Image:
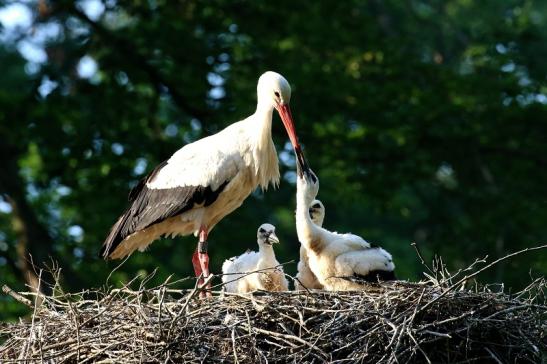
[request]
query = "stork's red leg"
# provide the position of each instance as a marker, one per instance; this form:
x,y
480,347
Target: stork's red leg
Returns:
x,y
197,266
203,257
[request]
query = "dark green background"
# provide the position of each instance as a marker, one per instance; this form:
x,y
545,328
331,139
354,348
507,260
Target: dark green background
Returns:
x,y
426,121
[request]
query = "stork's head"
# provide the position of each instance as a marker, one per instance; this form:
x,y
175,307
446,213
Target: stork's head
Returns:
x,y
274,91
378,260
317,212
266,235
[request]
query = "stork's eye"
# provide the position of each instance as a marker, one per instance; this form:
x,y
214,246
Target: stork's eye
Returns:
x,y
276,94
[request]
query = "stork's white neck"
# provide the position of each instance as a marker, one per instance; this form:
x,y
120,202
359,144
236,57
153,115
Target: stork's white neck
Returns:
x,y
266,164
304,196
305,227
264,107
265,249
262,118
267,255
319,220
263,126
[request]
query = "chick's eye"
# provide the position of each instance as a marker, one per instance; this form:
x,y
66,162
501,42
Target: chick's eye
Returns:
x,y
276,94
316,206
262,231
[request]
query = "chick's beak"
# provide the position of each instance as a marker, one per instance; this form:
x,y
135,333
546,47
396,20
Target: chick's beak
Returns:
x,y
272,239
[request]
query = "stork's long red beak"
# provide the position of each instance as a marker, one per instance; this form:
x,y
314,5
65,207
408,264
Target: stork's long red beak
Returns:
x,y
286,117
285,113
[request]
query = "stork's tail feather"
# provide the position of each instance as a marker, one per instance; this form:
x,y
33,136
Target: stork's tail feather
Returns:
x,y
113,239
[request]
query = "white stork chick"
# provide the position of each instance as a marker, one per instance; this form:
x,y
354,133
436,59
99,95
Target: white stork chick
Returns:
x,y
206,180
337,260
305,279
268,276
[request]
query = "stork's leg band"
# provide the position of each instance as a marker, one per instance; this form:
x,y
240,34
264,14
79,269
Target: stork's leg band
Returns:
x,y
202,247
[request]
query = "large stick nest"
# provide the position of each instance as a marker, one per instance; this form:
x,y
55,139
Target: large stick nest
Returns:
x,y
391,322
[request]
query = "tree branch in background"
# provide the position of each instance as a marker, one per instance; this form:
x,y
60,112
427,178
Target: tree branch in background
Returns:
x,y
133,56
24,223
23,264
10,262
34,244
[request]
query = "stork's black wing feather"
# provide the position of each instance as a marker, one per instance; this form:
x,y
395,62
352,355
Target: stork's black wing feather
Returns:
x,y
142,183
149,206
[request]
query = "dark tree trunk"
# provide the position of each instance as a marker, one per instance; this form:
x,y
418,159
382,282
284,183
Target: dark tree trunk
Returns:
x,y
34,245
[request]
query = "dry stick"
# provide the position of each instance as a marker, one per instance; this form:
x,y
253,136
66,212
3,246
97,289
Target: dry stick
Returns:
x,y
467,269
452,319
77,325
42,297
99,353
148,277
162,296
399,339
418,346
34,313
416,307
290,337
115,269
321,334
494,356
515,308
534,347
478,272
236,360
439,334
421,257
25,301
301,284
529,288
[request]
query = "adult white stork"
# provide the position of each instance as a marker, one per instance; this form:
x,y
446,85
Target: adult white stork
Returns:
x,y
206,180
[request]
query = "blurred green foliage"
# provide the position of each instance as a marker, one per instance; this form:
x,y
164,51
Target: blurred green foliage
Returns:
x,y
425,120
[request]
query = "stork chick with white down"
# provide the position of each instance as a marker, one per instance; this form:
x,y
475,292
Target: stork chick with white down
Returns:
x,y
341,262
206,180
305,278
268,275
